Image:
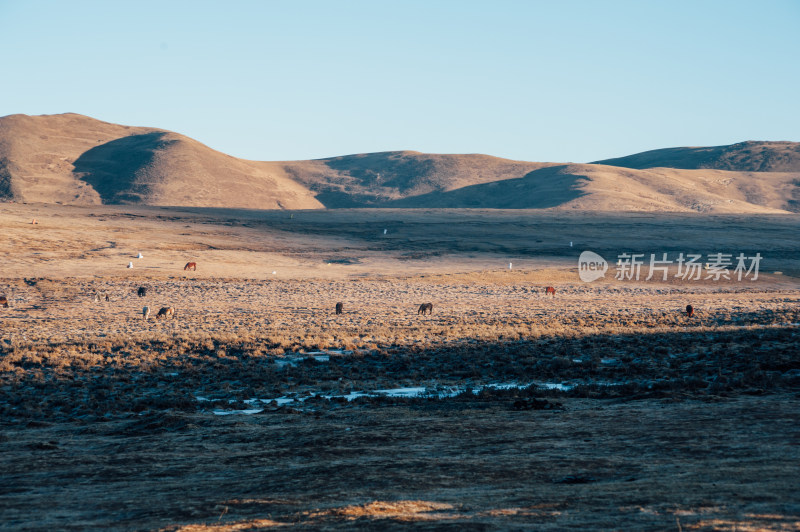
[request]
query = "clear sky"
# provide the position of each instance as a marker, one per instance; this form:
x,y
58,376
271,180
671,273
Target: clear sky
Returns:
x,y
531,80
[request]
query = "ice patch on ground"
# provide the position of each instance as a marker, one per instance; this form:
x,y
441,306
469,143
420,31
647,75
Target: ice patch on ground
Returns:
x,y
408,392
555,386
247,411
405,392
319,356
331,352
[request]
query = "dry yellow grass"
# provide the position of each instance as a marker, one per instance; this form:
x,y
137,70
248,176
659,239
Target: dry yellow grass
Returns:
x,y
109,421
74,159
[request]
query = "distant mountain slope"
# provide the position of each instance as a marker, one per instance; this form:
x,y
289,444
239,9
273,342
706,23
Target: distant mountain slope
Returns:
x,y
552,186
592,187
75,159
749,156
372,179
71,158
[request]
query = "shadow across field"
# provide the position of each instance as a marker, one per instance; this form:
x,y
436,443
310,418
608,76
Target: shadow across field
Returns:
x,y
520,233
695,426
697,459
105,379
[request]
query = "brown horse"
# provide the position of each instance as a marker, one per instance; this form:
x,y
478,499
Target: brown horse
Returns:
x,y
190,266
166,312
425,306
339,308
142,291
3,301
550,290
689,311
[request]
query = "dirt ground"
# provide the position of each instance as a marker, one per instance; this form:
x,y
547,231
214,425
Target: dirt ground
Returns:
x,y
604,407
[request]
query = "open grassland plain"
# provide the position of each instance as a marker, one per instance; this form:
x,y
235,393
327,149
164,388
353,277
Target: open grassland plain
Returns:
x,y
256,406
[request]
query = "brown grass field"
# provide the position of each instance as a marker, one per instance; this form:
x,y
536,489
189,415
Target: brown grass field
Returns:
x,y
256,407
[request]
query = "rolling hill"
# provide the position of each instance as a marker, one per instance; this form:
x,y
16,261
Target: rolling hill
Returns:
x,y
741,157
591,187
374,179
74,159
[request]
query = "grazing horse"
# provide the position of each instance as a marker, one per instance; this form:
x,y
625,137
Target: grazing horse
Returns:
x,y
425,306
339,308
689,310
141,292
146,313
3,301
98,296
550,290
190,266
166,312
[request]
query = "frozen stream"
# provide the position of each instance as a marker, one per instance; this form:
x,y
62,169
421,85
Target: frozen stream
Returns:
x,y
407,392
258,404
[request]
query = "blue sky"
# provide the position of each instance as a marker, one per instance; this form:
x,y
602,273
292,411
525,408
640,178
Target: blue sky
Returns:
x,y
539,81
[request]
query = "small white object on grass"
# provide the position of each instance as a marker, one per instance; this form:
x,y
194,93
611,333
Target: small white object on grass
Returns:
x,y
274,273
139,255
509,265
570,243
384,231
130,265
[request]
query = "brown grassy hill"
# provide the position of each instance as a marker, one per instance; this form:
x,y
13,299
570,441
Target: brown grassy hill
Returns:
x,y
593,187
751,156
677,190
37,152
372,179
75,159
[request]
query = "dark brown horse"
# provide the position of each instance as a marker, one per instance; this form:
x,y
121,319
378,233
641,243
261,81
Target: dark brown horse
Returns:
x,y
550,290
3,301
142,291
190,266
339,308
425,306
689,310
166,312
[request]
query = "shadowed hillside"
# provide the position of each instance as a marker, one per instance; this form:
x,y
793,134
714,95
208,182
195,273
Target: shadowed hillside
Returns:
x,y
545,188
6,189
37,153
112,168
591,187
75,159
742,157
373,179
